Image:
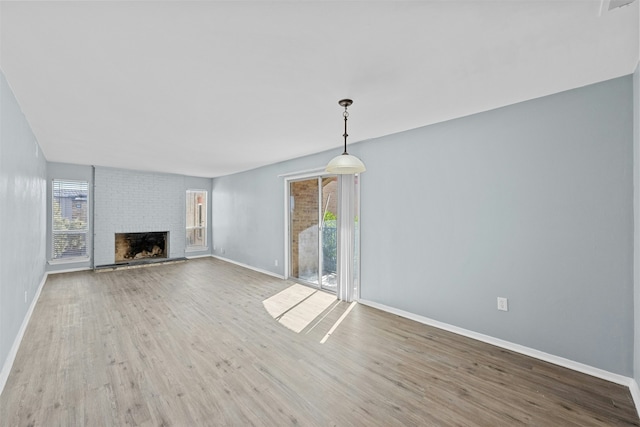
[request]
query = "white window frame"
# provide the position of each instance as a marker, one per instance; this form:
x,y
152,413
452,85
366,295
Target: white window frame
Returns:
x,y
85,231
203,218
348,290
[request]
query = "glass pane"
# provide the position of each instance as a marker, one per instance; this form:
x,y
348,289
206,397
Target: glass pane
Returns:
x,y
70,222
69,245
196,237
304,229
196,219
329,232
70,205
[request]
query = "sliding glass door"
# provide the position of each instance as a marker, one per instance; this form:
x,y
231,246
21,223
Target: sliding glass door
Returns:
x,y
312,231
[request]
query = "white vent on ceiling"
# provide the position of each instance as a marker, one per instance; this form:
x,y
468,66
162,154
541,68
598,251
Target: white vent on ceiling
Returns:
x,y
606,5
619,3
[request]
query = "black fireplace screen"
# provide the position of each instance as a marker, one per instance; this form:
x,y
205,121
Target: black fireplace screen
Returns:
x,y
136,246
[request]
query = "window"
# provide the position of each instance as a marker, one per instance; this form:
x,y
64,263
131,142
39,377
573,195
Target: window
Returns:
x,y
70,219
196,219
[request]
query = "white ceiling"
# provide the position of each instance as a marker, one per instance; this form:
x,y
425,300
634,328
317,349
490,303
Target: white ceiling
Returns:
x,y
208,88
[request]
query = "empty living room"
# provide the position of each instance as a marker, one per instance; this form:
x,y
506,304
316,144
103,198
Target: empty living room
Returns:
x,y
320,213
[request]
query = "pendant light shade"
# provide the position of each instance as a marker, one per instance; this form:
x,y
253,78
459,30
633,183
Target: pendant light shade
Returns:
x,y
345,164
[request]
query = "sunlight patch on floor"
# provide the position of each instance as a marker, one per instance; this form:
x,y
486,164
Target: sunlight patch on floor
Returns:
x,y
300,316
283,301
298,306
335,325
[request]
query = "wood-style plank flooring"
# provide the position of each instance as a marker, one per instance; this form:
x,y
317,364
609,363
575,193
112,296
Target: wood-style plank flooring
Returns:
x,y
191,344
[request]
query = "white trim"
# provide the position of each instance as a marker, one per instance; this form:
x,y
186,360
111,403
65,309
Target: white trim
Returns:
x,y
259,270
11,357
605,6
69,270
86,232
197,256
288,178
319,226
287,244
56,261
196,248
635,394
556,360
305,173
633,388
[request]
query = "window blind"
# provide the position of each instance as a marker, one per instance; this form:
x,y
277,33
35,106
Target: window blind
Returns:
x,y
70,217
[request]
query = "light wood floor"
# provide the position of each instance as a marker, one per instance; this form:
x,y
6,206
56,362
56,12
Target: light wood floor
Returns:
x,y
191,344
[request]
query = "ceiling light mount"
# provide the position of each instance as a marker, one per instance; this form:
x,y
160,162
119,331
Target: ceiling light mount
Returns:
x,y
345,164
345,103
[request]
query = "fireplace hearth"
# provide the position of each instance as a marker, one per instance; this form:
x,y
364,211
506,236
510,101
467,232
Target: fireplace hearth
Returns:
x,y
140,246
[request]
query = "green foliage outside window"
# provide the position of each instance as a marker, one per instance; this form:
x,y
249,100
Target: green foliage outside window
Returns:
x,y
329,216
67,243
329,243
70,229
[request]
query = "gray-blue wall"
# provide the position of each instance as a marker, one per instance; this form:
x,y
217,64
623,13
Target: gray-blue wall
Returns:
x,y
636,218
248,212
533,202
22,217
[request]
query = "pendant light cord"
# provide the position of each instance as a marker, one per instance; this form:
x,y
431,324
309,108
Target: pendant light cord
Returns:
x,y
345,164
345,114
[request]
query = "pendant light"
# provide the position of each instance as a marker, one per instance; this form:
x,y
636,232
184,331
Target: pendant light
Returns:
x,y
345,163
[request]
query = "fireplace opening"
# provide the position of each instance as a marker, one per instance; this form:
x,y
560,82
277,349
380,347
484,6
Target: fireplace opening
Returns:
x,y
140,246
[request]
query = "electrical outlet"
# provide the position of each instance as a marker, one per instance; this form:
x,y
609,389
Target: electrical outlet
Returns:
x,y
503,304
275,263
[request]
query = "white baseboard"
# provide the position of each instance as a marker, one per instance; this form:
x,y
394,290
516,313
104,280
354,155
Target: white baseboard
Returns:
x,y
197,256
635,394
259,270
70,270
556,360
11,357
560,361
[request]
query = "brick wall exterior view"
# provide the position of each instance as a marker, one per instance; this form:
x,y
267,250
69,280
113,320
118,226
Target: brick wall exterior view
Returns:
x,y
304,222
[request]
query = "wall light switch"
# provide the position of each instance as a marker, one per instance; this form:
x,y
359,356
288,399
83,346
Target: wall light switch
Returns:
x,y
503,304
